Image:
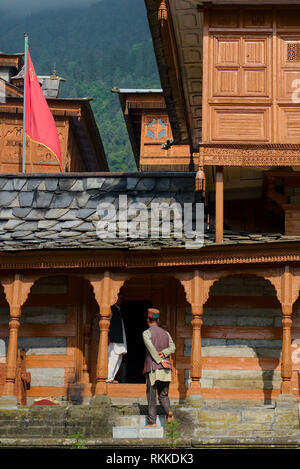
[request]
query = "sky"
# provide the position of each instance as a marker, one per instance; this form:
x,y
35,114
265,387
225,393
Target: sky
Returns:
x,y
31,6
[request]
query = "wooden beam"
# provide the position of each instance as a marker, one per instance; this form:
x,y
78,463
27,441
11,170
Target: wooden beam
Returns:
x,y
219,221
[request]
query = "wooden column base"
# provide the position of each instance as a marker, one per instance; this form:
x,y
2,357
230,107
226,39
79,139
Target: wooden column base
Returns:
x,y
101,388
286,387
9,389
194,388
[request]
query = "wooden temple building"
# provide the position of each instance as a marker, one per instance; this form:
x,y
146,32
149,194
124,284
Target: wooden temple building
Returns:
x,y
224,131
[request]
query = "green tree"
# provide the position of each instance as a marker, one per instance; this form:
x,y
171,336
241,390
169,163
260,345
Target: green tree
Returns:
x,y
94,48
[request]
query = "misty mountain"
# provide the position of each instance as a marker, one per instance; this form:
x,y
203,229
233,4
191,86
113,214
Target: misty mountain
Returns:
x,y
94,48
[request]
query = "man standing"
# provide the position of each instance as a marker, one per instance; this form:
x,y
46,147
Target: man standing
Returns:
x,y
117,341
159,346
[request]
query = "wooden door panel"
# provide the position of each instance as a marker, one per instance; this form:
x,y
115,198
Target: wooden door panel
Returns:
x,y
254,52
227,51
226,83
255,82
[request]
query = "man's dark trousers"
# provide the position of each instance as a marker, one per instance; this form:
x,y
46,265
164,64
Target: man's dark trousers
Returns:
x,y
162,389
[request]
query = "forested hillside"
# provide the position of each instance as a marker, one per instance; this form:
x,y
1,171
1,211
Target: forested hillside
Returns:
x,y
94,49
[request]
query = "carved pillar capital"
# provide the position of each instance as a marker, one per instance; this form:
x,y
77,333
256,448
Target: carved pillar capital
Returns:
x,y
106,286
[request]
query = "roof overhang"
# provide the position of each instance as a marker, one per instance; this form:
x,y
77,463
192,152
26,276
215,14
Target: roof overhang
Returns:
x,y
12,60
173,71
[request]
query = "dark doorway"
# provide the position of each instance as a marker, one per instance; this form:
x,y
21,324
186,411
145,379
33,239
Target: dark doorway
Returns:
x,y
134,315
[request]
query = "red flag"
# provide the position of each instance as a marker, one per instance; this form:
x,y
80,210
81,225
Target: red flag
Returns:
x,y
40,124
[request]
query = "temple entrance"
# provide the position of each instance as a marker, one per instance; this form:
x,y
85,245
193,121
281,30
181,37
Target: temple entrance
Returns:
x,y
134,315
139,293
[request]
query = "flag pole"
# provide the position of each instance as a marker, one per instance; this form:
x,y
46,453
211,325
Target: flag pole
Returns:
x,y
24,104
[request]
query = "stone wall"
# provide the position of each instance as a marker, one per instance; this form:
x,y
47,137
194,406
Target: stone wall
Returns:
x,y
241,339
199,425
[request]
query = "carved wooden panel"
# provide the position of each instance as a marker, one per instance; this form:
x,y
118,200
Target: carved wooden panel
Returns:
x,y
254,18
289,66
289,86
155,131
288,19
251,85
247,124
221,18
239,69
290,124
38,157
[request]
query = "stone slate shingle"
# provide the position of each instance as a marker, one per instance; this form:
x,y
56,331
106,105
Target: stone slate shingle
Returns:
x,y
60,211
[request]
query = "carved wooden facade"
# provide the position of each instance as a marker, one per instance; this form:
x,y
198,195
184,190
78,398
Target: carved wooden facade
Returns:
x,y
189,300
150,132
77,132
251,86
232,308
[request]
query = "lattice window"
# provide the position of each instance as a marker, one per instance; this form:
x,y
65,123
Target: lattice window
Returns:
x,y
293,52
156,129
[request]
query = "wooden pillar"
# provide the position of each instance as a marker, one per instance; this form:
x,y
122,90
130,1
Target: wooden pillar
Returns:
x,y
194,286
287,298
102,360
286,359
16,290
11,359
196,361
106,287
219,218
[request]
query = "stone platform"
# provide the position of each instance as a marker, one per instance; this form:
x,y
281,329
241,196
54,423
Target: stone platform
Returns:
x,y
102,423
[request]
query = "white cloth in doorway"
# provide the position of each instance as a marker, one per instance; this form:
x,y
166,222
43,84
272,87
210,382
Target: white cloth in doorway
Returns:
x,y
115,354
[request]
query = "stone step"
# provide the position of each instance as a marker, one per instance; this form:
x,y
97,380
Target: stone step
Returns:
x,y
138,421
133,426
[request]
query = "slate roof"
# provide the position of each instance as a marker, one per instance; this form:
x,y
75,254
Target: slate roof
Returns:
x,y
59,211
